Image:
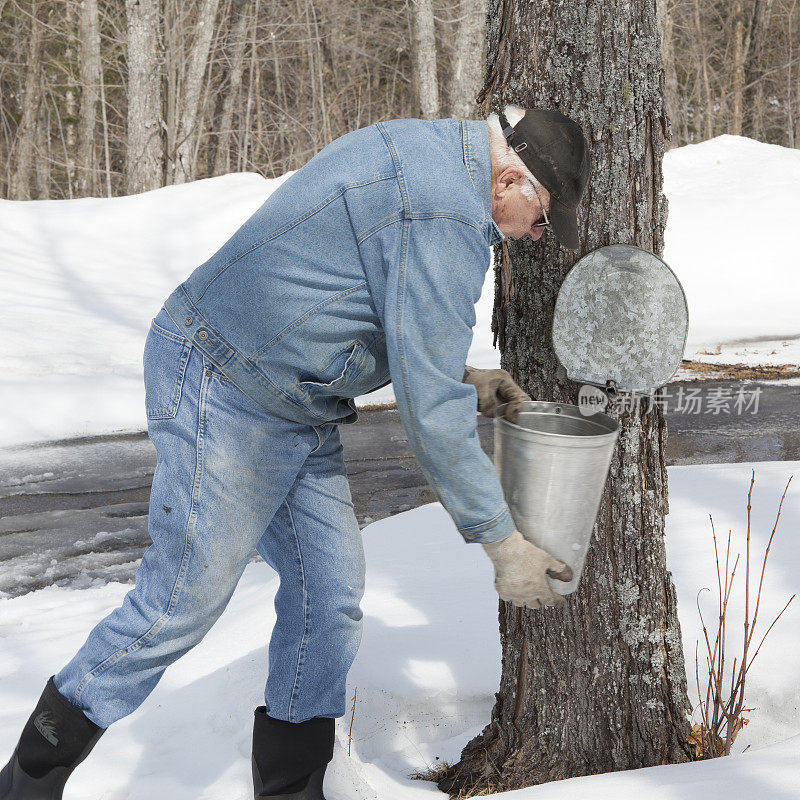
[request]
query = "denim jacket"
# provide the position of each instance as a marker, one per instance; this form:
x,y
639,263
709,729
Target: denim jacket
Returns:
x,y
364,268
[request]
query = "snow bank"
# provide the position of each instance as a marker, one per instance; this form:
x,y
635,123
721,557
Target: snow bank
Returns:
x,y
81,279
427,669
732,237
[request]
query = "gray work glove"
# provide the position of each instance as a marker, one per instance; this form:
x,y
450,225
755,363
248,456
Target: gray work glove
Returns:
x,y
520,570
495,386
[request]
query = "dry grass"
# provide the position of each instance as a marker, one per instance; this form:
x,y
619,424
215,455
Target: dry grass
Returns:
x,y
700,370
433,773
722,711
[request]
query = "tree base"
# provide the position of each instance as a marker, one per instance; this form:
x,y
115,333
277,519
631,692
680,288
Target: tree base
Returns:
x,y
478,772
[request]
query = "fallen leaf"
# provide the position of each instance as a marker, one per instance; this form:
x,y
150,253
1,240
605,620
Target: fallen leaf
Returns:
x,y
700,741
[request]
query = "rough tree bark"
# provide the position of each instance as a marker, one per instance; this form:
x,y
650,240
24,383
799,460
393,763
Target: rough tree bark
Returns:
x,y
599,685
144,156
466,76
425,56
89,38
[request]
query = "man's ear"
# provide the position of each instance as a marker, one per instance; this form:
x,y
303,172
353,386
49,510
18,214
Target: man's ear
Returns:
x,y
506,179
503,182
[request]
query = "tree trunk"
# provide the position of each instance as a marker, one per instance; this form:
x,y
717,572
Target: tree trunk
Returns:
x,y
145,150
106,142
599,685
708,106
20,188
246,151
70,97
797,112
741,42
222,159
671,98
796,129
185,150
312,82
315,61
753,111
90,67
466,78
174,68
42,160
791,91
425,51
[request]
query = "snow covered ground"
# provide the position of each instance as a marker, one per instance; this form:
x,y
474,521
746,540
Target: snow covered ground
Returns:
x,y
427,669
81,280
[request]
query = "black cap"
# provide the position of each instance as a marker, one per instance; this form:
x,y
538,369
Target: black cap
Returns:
x,y
555,150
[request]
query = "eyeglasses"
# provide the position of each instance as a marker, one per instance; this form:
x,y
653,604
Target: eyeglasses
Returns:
x,y
546,223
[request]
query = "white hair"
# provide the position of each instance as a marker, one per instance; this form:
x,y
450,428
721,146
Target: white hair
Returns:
x,y
503,155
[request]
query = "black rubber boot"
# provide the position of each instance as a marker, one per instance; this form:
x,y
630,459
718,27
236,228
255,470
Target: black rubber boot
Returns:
x,y
289,758
56,738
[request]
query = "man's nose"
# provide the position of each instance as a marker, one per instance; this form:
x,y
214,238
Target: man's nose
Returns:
x,y
535,234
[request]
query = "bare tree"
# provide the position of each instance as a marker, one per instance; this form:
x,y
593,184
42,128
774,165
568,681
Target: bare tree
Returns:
x,y
144,157
599,685
741,45
20,188
425,57
753,90
238,44
708,103
139,92
90,74
315,68
795,136
42,148
671,97
70,96
466,75
185,151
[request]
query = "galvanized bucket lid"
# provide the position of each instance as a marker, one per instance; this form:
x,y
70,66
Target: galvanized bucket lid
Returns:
x,y
621,320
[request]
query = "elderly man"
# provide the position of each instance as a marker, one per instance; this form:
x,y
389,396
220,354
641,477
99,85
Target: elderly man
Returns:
x,y
362,268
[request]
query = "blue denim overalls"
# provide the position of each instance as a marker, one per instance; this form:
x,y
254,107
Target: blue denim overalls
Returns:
x,y
363,267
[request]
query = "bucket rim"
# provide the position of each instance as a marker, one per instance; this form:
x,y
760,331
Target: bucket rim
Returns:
x,y
612,425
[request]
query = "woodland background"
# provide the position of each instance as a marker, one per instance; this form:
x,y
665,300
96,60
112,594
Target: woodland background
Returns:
x,y
113,97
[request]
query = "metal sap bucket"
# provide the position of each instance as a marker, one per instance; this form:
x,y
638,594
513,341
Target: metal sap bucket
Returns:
x,y
620,324
553,465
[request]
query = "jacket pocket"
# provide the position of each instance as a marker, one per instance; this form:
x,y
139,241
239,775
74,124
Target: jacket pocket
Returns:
x,y
342,371
165,358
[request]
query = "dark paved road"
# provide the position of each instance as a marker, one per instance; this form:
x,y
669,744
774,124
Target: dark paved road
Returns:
x,y
75,512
